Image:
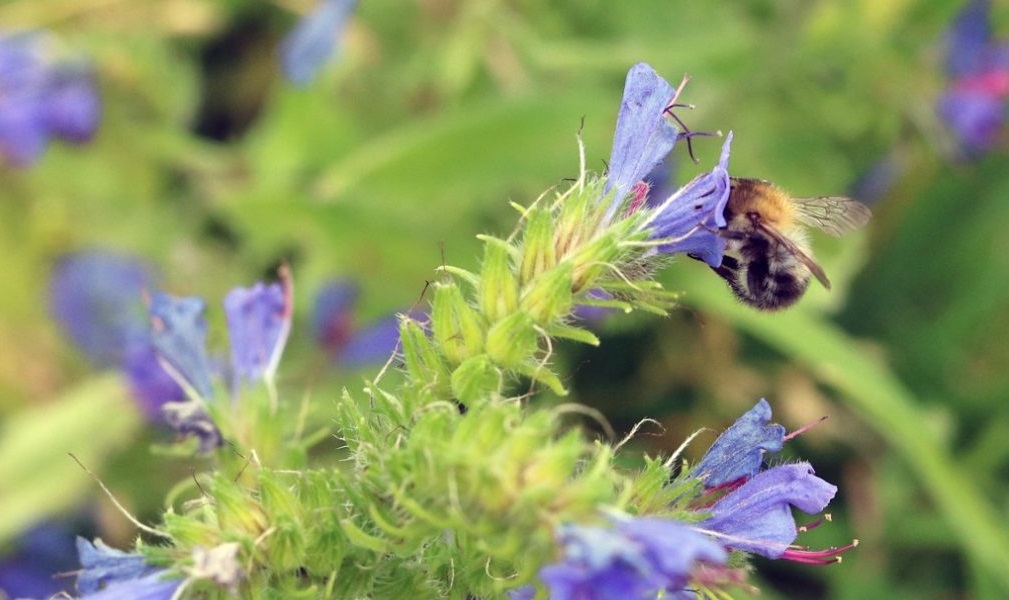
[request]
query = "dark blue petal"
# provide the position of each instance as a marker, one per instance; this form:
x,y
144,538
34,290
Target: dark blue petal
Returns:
x,y
757,516
739,451
159,585
976,118
314,40
152,386
97,299
672,548
643,136
967,39
372,344
72,108
103,566
692,216
332,316
41,553
259,319
179,333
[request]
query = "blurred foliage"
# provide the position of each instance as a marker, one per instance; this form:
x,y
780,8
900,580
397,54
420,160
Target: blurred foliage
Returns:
x,y
436,115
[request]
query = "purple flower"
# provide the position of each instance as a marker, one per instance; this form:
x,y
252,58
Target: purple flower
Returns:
x,y
757,516
636,558
688,220
110,574
314,40
40,99
974,104
691,217
180,338
334,330
739,452
96,297
643,136
41,552
259,320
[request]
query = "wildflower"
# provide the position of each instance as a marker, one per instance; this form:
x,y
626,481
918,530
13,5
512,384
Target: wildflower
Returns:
x,y
688,220
314,40
739,452
180,337
108,573
259,320
757,516
40,552
974,104
334,330
636,558
41,99
95,296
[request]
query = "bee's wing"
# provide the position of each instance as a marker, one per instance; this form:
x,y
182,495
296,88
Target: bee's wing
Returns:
x,y
795,251
835,215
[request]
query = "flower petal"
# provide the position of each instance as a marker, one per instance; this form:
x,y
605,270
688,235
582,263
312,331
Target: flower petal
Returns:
x,y
757,516
179,334
691,217
739,451
259,320
643,136
314,40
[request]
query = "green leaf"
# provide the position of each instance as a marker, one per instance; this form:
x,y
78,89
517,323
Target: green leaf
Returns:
x,y
37,477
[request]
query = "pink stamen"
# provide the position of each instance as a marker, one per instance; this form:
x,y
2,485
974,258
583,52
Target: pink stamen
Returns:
x,y
639,195
805,428
815,524
818,557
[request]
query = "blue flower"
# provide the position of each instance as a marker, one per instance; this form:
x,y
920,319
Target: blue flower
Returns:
x,y
643,135
180,337
635,558
314,40
259,320
686,221
41,552
40,99
974,104
334,330
739,452
109,574
96,297
757,516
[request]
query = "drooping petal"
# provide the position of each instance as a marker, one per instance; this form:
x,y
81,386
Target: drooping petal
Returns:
x,y
314,40
739,451
179,334
757,516
691,217
96,296
259,320
643,136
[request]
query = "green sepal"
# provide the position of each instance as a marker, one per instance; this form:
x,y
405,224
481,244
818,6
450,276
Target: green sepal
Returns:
x,y
457,328
538,371
498,289
538,251
570,332
512,340
476,379
549,299
422,360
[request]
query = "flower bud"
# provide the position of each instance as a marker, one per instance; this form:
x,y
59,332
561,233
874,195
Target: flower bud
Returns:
x,y
512,340
458,330
550,299
475,379
498,287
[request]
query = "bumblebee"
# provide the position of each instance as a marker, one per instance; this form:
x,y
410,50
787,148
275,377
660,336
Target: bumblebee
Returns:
x,y
768,262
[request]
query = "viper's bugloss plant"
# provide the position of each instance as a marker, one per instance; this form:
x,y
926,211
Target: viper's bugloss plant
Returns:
x,y
456,481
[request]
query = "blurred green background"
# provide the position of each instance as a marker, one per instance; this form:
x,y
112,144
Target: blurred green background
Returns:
x,y
436,114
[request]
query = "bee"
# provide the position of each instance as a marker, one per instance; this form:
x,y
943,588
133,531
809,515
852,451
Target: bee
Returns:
x,y
768,262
